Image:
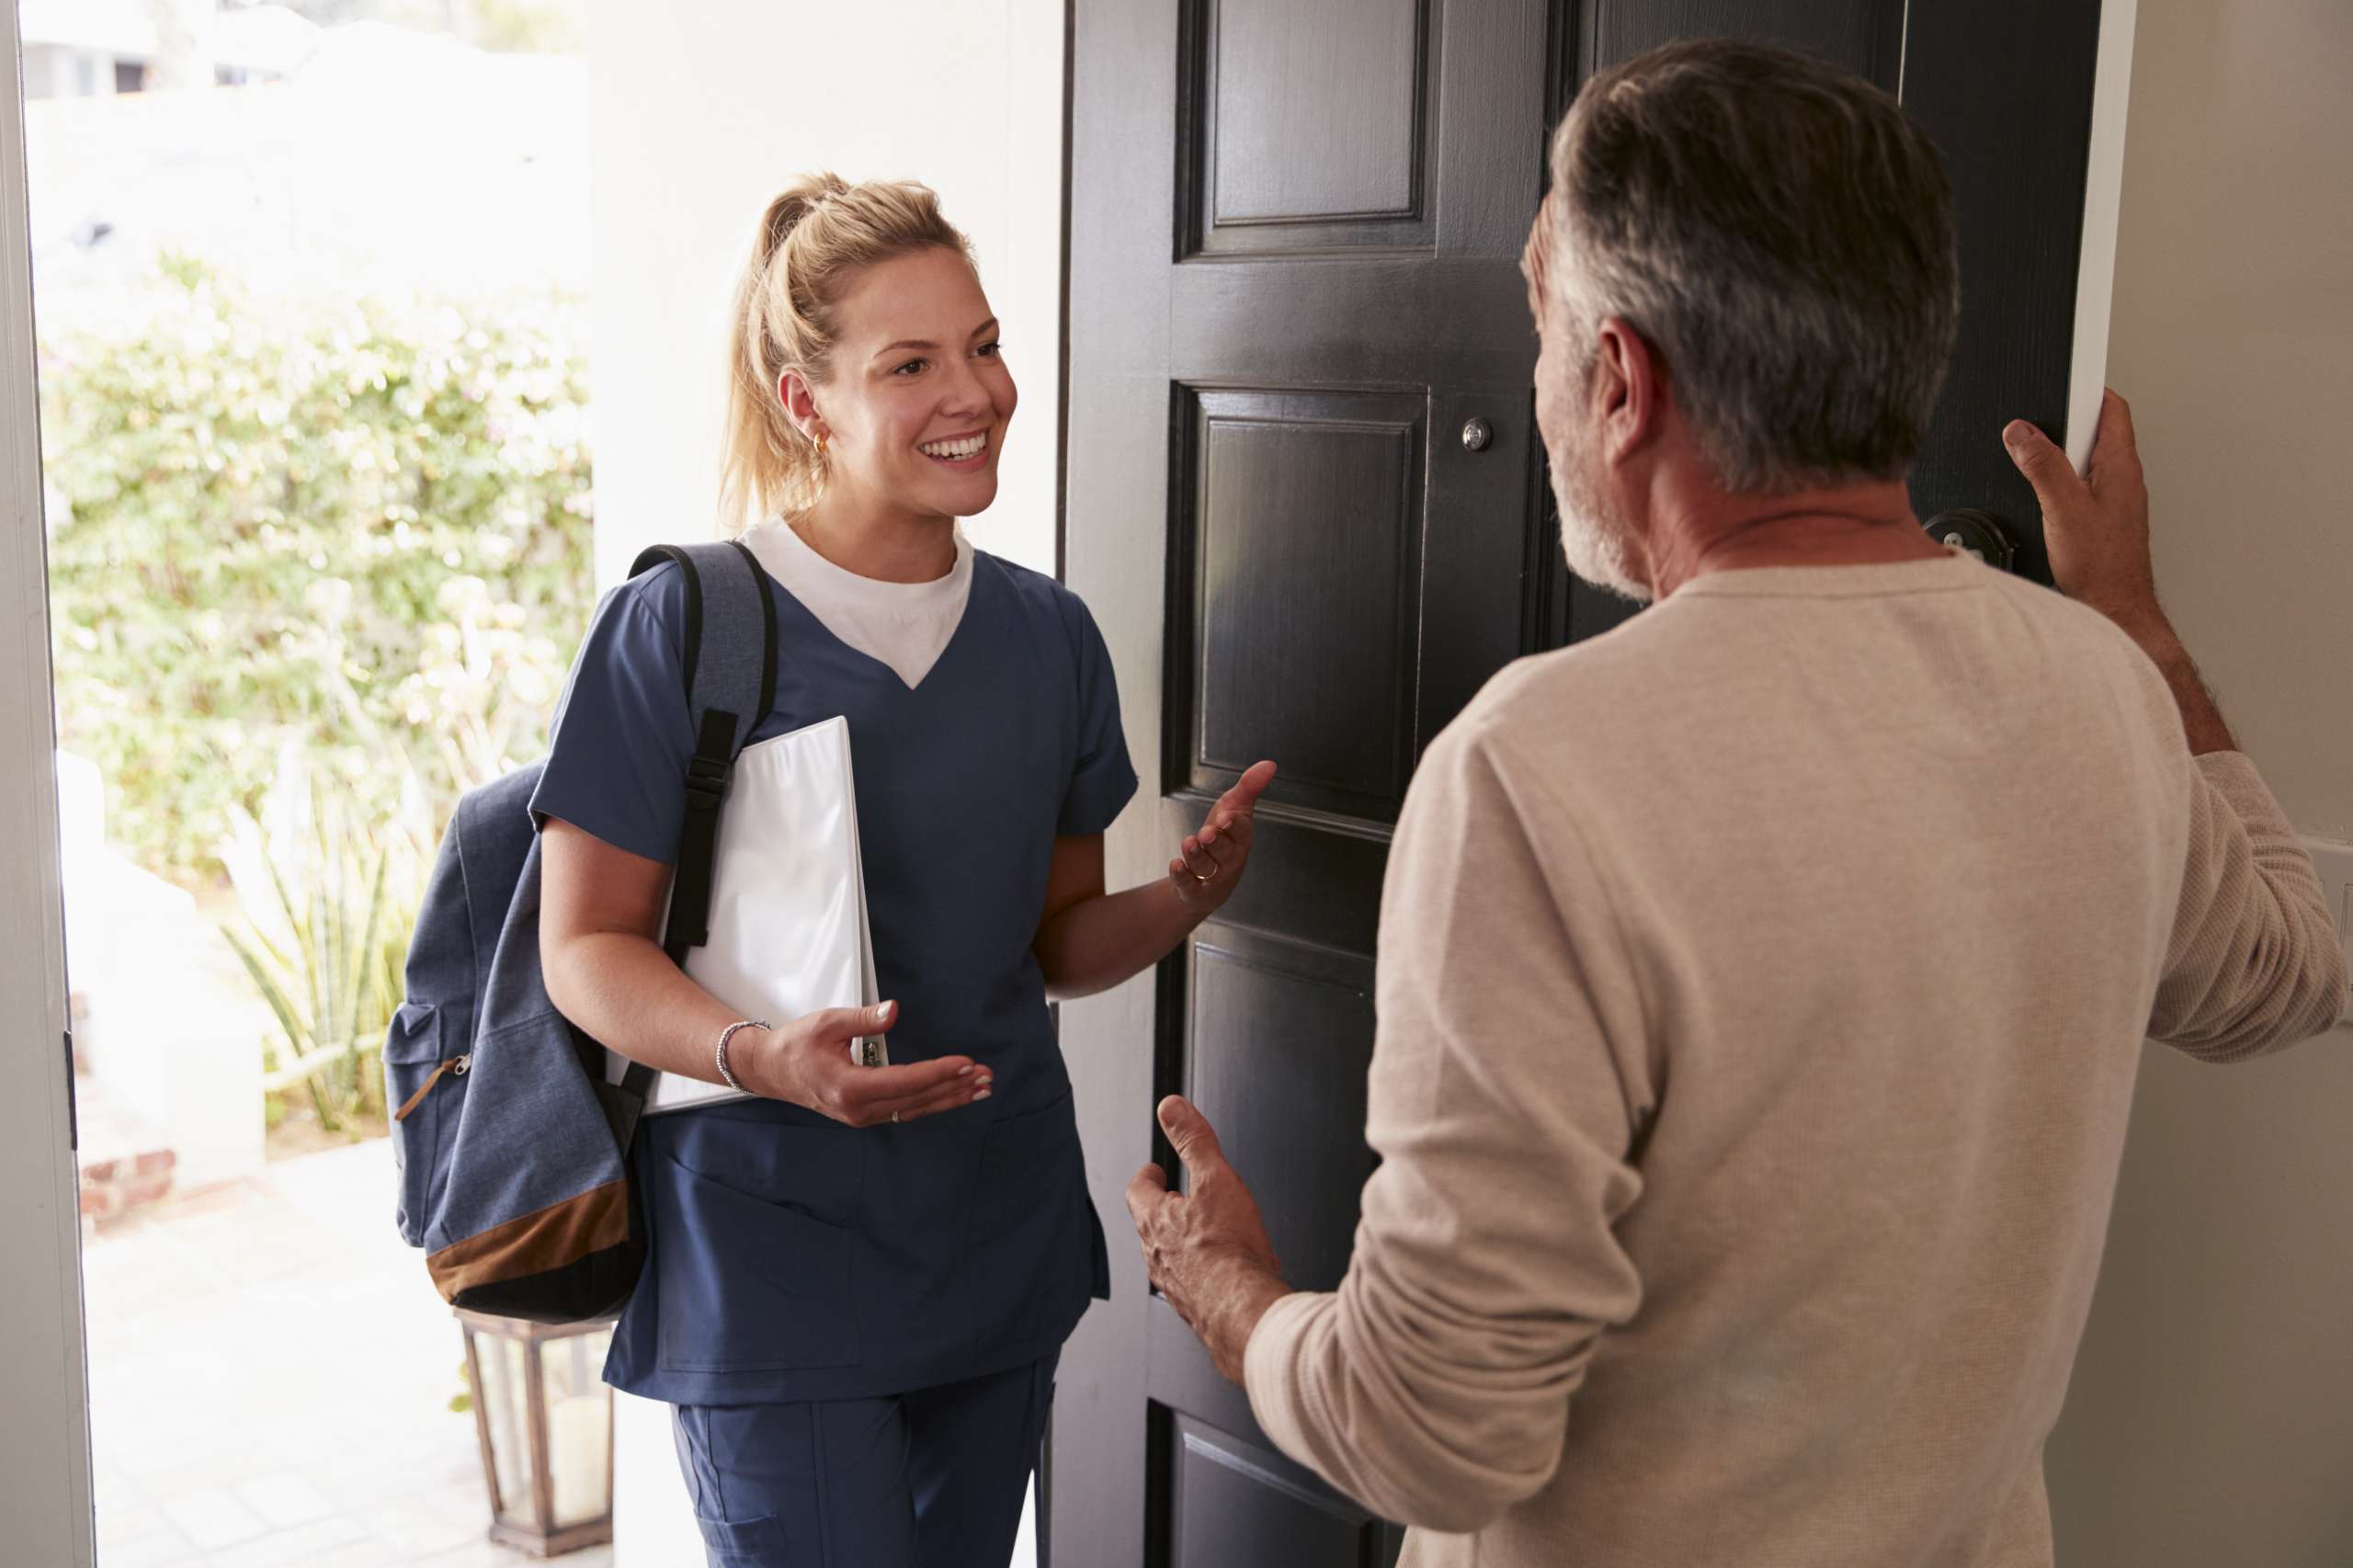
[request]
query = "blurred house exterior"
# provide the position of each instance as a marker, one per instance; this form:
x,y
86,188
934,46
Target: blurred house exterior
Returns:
x,y
99,48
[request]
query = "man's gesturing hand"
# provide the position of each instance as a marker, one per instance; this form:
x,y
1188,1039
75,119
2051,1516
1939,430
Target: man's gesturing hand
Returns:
x,y
807,1061
1206,1250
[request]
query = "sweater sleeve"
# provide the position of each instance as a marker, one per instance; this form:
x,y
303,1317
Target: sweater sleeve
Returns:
x,y
2255,962
1506,1089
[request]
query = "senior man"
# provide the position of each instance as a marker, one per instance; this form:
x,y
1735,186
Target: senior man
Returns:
x,y
1761,984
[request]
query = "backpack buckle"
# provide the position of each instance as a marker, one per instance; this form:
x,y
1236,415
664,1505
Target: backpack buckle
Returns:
x,y
707,782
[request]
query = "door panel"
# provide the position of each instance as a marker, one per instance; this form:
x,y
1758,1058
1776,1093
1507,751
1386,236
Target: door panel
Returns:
x,y
1311,130
1234,1501
1272,1025
1865,36
1295,231
1299,537
1216,1492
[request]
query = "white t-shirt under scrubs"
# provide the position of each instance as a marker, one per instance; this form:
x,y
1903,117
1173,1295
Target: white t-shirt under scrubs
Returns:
x,y
902,625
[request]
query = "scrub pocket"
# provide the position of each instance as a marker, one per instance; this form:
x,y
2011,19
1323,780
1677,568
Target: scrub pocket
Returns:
x,y
755,1236
765,1541
805,1485
755,1543
1033,1228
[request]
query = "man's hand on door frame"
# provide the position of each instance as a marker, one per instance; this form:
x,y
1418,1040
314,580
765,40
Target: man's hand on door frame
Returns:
x,y
2097,529
1206,1249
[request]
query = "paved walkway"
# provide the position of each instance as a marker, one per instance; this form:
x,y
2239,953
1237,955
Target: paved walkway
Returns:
x,y
271,1377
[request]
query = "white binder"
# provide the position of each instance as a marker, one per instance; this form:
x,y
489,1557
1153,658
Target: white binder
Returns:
x,y
788,897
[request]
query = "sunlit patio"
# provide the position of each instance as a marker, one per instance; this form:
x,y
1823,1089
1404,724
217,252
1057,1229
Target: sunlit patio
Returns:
x,y
270,1382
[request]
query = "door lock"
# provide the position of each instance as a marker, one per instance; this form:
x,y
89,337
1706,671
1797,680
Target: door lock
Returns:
x,y
1977,533
1476,434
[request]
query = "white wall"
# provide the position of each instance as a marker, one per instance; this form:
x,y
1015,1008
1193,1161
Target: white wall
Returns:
x,y
699,113
2210,1418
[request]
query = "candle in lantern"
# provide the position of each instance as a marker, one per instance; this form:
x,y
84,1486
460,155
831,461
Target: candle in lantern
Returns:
x,y
579,1427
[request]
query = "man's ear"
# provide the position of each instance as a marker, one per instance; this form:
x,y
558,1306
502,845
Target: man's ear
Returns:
x,y
1629,389
800,403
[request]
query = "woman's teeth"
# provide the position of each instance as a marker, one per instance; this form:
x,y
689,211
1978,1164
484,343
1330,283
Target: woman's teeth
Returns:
x,y
970,447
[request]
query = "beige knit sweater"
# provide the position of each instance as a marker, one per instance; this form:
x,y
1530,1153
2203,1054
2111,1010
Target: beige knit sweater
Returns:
x,y
1761,987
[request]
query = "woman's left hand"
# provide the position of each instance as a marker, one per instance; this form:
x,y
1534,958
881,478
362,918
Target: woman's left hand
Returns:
x,y
1210,862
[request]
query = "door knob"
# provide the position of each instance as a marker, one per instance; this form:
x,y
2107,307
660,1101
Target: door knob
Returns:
x,y
1476,434
1981,534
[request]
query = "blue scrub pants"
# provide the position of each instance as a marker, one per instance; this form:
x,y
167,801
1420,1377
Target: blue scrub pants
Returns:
x,y
931,1479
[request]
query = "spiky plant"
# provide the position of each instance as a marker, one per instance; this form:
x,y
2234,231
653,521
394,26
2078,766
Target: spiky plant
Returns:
x,y
327,905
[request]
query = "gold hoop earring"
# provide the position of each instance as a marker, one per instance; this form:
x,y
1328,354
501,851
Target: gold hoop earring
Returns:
x,y
821,445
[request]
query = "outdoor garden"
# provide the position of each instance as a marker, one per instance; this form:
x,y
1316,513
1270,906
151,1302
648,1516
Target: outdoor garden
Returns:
x,y
314,573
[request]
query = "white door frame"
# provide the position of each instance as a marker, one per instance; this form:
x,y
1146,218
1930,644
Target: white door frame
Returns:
x,y
46,1513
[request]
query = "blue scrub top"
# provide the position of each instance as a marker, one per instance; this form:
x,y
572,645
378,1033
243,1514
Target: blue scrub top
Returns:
x,y
792,1257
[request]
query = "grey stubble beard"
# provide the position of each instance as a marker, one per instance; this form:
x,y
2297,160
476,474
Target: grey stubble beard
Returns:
x,y
1596,543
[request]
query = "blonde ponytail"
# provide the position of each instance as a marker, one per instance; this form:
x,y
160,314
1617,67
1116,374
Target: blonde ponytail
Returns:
x,y
815,234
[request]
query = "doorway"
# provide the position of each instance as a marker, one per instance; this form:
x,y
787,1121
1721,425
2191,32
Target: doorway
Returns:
x,y
315,475
1308,507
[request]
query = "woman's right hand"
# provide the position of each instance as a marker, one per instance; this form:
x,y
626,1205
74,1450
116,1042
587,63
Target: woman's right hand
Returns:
x,y
808,1063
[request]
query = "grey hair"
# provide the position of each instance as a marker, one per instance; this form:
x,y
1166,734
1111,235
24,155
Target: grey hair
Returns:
x,y
1783,234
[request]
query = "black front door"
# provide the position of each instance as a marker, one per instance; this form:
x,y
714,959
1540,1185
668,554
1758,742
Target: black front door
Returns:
x,y
1305,501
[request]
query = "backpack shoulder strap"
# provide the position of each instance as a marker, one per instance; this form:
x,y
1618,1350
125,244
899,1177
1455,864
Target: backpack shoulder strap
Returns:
x,y
730,673
726,585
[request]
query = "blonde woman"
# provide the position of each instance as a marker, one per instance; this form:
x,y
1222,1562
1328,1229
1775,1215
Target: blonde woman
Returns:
x,y
860,1280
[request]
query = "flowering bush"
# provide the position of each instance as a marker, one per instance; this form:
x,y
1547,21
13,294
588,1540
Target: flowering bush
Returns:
x,y
357,533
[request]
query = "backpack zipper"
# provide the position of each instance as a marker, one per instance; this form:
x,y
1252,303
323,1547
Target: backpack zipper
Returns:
x,y
456,1066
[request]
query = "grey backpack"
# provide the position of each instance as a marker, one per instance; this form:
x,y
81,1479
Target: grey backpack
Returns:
x,y
514,1150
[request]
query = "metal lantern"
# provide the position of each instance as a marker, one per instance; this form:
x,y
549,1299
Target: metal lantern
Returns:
x,y
545,1418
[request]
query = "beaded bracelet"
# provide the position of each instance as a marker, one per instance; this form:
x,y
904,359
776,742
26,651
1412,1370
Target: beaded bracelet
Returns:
x,y
718,1056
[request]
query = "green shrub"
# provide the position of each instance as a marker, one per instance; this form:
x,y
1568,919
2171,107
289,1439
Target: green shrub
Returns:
x,y
326,906
357,534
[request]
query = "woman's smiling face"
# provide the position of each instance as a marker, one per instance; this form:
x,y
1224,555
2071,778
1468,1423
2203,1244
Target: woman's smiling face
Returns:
x,y
916,402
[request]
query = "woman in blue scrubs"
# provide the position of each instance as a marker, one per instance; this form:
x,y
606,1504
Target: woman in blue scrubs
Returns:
x,y
860,1279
